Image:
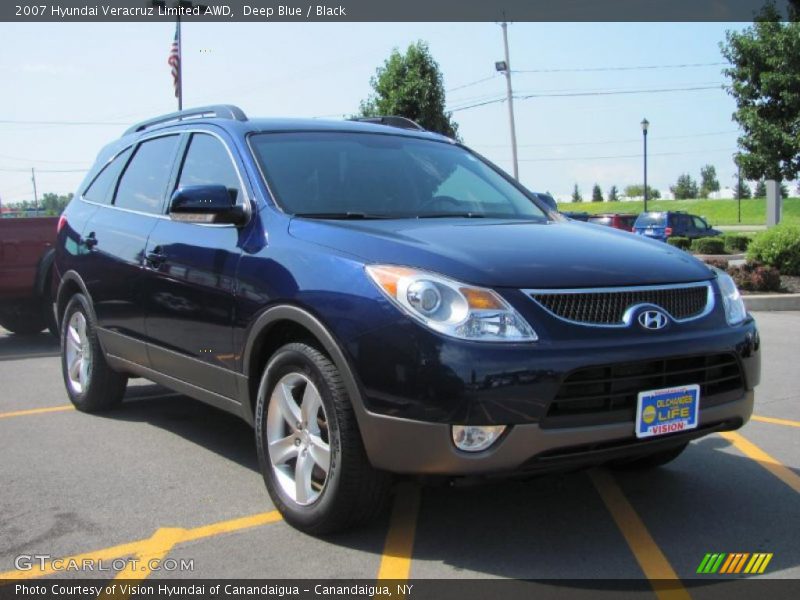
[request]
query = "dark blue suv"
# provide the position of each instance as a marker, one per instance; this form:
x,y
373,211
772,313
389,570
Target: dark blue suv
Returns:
x,y
377,299
664,225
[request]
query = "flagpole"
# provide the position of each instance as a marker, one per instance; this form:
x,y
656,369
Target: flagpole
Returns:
x,y
180,63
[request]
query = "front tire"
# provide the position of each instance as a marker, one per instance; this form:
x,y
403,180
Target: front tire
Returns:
x,y
92,385
309,447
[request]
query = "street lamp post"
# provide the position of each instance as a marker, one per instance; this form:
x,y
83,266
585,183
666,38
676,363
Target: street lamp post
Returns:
x,y
504,66
645,126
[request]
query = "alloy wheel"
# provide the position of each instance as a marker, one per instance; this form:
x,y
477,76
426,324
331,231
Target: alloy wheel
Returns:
x,y
298,438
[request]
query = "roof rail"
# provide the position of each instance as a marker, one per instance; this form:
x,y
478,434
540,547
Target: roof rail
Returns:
x,y
391,121
220,111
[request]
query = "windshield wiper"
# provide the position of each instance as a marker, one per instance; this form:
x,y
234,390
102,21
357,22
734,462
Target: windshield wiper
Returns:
x,y
466,215
341,215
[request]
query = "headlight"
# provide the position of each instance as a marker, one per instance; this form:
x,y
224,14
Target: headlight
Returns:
x,y
449,307
735,310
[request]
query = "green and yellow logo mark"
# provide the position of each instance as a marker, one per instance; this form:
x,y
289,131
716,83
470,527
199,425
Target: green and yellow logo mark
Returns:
x,y
735,562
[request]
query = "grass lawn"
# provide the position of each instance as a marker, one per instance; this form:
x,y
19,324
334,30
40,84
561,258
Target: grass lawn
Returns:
x,y
716,212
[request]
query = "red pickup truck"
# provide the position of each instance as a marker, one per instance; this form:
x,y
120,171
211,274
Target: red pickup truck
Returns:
x,y
26,260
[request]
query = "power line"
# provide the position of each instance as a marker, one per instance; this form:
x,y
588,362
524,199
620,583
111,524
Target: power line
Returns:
x,y
616,156
598,143
591,70
14,170
471,83
588,93
625,68
17,122
38,160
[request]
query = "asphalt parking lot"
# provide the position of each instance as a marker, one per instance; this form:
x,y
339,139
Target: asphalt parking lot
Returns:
x,y
168,477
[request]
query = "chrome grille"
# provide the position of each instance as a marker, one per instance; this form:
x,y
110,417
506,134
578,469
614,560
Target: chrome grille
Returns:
x,y
608,307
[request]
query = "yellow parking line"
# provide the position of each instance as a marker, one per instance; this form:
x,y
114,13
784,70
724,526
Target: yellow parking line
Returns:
x,y
159,544
36,411
399,545
154,549
654,564
775,421
750,450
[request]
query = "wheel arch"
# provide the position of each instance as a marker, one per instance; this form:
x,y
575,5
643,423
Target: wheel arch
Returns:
x,y
71,284
288,323
44,273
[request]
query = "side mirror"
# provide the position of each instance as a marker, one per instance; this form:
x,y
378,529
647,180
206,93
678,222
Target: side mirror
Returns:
x,y
206,204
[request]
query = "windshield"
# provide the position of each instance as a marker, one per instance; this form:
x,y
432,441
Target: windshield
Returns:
x,y
362,175
648,219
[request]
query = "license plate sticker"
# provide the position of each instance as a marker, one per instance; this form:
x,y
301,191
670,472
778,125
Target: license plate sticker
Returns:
x,y
668,410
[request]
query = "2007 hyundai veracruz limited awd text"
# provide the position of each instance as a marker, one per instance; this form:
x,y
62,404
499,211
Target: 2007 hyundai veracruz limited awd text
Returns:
x,y
377,299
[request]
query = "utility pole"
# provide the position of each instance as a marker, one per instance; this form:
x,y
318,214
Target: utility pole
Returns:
x,y
35,195
505,67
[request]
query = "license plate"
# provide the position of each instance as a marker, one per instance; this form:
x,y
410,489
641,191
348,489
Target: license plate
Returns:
x,y
668,410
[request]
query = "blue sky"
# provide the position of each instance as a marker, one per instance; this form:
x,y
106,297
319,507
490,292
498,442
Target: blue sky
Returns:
x,y
117,73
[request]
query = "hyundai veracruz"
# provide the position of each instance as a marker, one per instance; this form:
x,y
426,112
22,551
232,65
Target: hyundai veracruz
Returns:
x,y
376,299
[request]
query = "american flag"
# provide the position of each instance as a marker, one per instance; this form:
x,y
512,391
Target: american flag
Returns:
x,y
174,61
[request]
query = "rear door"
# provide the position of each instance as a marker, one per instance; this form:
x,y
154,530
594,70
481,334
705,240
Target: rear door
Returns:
x,y
115,240
191,271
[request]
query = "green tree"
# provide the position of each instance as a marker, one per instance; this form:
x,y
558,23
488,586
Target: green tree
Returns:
x,y
637,191
765,82
685,187
410,85
597,193
576,194
761,189
708,181
613,194
744,190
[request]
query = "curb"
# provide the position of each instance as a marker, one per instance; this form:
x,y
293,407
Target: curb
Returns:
x,y
728,257
768,302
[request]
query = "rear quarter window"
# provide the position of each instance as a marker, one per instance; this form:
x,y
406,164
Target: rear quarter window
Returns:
x,y
100,189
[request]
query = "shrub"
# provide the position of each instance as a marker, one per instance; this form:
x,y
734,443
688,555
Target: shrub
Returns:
x,y
719,263
736,243
778,247
680,242
755,277
708,245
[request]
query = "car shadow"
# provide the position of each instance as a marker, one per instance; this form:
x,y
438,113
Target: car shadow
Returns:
x,y
553,527
17,347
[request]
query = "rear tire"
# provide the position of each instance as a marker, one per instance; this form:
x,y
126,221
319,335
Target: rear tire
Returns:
x,y
305,424
92,385
23,320
650,461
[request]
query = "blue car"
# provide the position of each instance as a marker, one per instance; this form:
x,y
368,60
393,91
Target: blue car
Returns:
x,y
375,299
664,225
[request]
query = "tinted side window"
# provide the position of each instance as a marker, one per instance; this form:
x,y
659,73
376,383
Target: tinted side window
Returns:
x,y
699,223
144,181
100,189
207,162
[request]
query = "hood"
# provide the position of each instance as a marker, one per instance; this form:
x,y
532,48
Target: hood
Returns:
x,y
509,253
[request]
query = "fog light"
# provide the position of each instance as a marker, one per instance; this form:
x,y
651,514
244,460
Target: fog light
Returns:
x,y
474,438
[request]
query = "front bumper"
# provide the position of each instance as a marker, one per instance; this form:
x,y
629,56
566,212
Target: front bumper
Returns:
x,y
406,446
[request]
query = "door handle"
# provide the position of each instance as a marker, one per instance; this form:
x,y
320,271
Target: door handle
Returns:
x,y
155,257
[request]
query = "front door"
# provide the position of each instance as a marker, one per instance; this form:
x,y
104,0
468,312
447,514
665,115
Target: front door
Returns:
x,y
191,278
